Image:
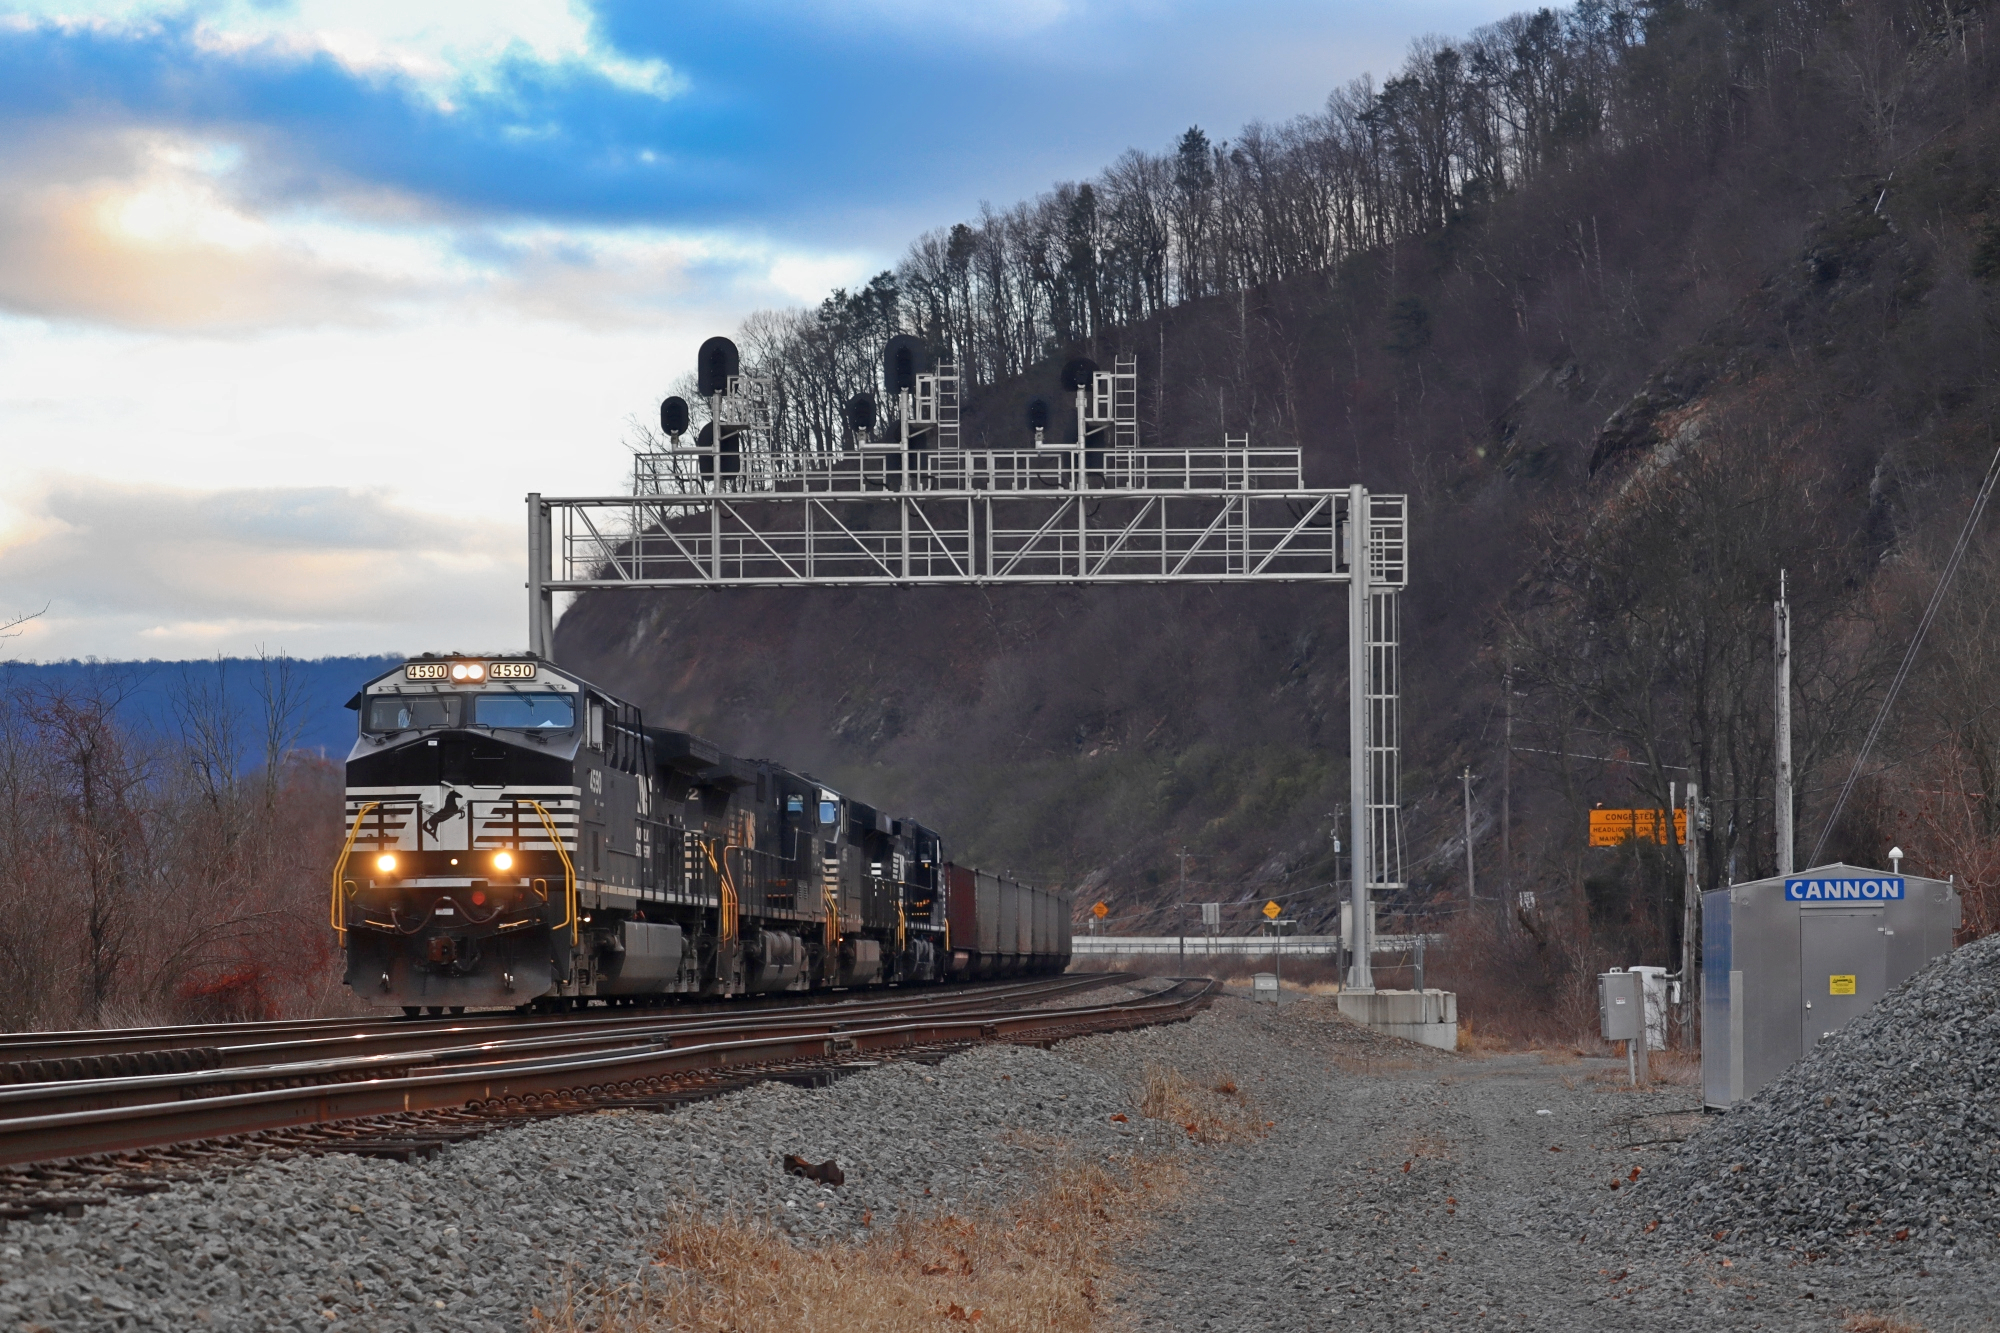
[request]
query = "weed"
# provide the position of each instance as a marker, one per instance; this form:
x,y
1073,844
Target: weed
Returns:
x,y
1867,1321
1040,1264
1206,1113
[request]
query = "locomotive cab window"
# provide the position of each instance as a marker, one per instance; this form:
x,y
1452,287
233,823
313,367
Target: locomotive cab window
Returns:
x,y
395,712
829,813
524,711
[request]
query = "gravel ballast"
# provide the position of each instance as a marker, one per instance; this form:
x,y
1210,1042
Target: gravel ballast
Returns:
x,y
488,1229
1393,1187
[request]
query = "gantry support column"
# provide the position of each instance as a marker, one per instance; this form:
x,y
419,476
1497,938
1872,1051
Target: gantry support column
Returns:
x,y
541,573
1360,975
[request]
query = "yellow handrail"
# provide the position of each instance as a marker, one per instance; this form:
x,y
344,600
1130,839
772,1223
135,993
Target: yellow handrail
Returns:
x,y
338,912
830,895
569,872
728,927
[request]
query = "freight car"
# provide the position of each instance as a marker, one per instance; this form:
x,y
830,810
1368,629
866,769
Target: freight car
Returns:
x,y
518,837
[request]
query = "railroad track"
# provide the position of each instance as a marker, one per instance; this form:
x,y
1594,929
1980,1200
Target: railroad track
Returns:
x,y
76,1143
378,1053
35,1057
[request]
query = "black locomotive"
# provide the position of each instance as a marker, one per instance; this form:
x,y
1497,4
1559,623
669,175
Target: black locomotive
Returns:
x,y
516,836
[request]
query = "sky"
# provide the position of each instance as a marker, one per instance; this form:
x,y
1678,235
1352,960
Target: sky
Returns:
x,y
300,298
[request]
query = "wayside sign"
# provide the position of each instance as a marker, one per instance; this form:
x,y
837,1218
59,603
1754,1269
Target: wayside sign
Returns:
x,y
1883,889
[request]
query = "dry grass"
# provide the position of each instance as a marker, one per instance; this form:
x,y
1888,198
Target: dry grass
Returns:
x,y
1663,1068
1681,1068
1482,1041
1373,1064
1867,1321
1433,1146
1212,1111
1041,1264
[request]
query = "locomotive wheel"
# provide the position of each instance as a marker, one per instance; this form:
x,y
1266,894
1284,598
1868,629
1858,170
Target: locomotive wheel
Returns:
x,y
412,1010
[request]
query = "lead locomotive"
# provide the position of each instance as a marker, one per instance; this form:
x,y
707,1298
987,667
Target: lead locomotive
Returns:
x,y
517,836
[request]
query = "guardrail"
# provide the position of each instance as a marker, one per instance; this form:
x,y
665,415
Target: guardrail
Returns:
x,y
1309,946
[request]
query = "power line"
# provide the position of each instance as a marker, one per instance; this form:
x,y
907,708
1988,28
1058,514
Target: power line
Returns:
x,y
1910,654
1599,758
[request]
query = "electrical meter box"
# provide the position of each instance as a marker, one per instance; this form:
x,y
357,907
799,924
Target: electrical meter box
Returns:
x,y
1621,1005
1785,962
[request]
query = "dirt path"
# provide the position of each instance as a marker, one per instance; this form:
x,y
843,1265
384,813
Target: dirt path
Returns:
x,y
1408,1190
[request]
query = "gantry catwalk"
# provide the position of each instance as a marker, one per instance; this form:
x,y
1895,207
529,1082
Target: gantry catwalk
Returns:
x,y
916,509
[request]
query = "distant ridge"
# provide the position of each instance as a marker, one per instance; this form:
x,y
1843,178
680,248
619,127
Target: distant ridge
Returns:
x,y
148,691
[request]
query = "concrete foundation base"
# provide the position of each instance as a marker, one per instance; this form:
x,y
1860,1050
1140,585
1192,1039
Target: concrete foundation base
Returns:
x,y
1426,1016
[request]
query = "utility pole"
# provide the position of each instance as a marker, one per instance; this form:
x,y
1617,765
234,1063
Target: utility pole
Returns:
x,y
1470,894
1783,728
1183,911
1691,911
1507,800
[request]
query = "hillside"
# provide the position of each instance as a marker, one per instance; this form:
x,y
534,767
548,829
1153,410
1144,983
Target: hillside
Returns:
x,y
1742,326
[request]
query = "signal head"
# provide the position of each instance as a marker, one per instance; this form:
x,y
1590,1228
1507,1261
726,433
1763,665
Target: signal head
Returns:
x,y
1077,374
903,356
714,364
674,415
1038,414
861,412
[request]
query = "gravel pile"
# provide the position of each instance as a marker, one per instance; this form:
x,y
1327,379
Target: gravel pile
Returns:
x,y
1888,1132
476,1236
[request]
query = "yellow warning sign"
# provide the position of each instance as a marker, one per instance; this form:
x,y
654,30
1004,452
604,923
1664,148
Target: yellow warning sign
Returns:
x,y
1840,985
1608,828
1272,910
1100,911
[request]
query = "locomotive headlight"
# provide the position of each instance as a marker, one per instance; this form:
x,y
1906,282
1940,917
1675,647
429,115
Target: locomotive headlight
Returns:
x,y
468,671
503,860
386,863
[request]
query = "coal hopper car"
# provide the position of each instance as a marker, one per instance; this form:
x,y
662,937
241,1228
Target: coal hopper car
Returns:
x,y
516,836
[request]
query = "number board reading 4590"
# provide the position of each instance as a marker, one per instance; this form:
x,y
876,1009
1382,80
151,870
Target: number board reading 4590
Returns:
x,y
469,671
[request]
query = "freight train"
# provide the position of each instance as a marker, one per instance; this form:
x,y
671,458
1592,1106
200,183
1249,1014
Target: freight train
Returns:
x,y
518,837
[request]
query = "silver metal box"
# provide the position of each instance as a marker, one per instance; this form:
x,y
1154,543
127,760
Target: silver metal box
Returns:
x,y
1785,962
1621,1005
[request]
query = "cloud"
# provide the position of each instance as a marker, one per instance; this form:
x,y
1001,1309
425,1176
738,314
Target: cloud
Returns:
x,y
442,45
167,571
835,126
155,229
139,227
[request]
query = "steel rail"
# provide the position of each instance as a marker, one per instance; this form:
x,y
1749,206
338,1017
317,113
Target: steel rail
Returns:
x,y
28,1099
525,1082
83,1043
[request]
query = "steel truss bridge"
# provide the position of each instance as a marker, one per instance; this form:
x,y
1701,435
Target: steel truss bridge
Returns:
x,y
917,510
